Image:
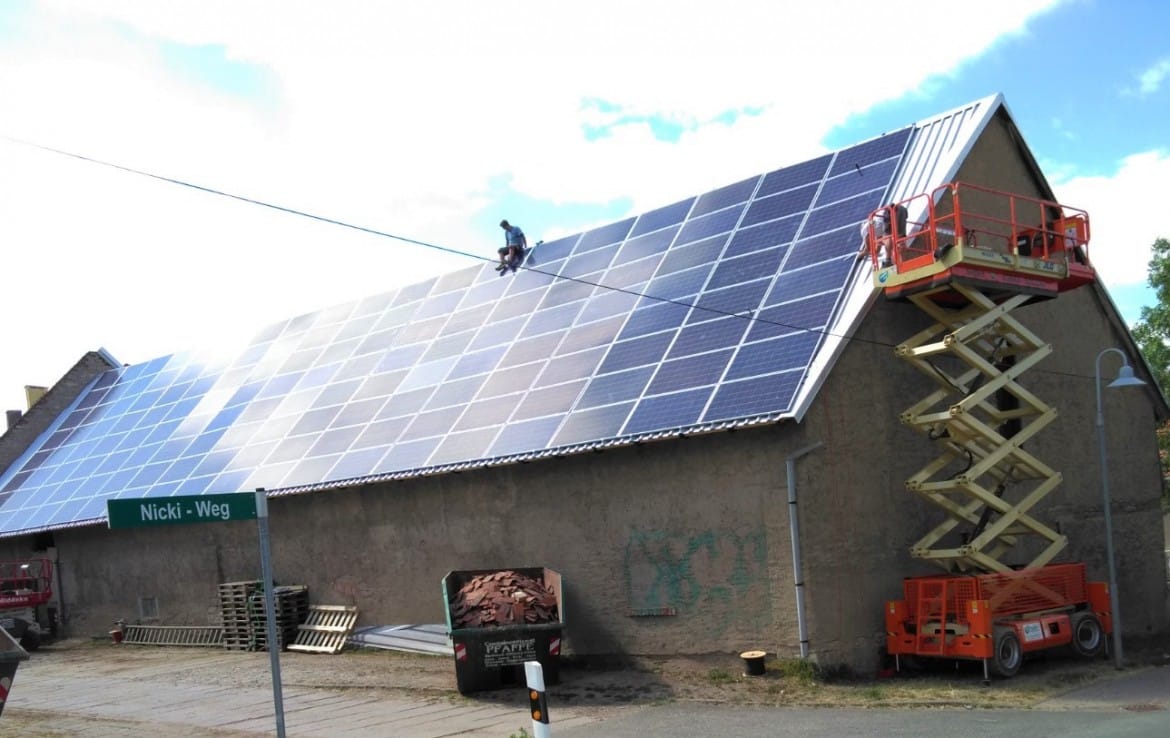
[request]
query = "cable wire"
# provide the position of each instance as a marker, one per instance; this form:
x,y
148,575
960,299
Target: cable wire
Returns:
x,y
446,249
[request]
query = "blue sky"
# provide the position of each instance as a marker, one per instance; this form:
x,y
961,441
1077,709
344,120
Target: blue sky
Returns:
x,y
1089,86
434,122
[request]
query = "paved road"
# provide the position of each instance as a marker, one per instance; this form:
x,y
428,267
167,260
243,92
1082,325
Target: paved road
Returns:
x,y
702,721
1133,705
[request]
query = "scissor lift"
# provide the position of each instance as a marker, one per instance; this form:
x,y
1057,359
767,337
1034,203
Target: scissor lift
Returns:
x,y
968,257
25,585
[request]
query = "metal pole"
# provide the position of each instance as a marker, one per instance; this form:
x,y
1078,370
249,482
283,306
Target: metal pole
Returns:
x,y
1108,505
537,701
270,609
794,535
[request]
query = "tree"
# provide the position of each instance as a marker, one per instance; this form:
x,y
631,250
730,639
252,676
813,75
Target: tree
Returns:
x,y
1152,334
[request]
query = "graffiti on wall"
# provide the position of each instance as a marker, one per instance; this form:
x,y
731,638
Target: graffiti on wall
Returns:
x,y
665,570
351,588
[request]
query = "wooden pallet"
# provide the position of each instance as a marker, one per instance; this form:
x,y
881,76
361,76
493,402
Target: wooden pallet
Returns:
x,y
326,629
291,609
173,635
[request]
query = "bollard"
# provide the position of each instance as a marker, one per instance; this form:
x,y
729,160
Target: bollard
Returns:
x,y
537,701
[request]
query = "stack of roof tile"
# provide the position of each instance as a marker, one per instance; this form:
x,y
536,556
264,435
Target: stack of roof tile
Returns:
x,y
503,598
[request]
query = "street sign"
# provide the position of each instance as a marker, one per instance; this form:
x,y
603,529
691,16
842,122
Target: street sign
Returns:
x,y
150,511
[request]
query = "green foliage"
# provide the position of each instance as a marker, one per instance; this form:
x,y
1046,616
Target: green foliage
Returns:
x,y
799,670
522,734
873,694
719,676
1152,334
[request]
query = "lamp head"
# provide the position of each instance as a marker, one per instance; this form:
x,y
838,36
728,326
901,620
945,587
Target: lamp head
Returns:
x,y
1125,378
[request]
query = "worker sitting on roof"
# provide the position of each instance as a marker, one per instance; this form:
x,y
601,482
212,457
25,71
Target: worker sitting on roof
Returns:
x,y
513,248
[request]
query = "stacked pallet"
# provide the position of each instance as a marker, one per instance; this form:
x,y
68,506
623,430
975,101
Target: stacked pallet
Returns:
x,y
291,607
245,623
503,598
235,611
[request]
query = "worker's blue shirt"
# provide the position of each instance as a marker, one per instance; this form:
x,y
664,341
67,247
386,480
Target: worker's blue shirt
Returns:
x,y
514,236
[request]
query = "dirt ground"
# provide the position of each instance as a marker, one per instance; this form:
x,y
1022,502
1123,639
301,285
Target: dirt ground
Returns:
x,y
583,684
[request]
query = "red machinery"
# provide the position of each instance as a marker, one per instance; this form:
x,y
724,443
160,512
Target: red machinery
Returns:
x,y
968,256
997,618
981,236
24,585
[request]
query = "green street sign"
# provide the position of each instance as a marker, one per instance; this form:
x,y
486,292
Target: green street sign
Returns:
x,y
150,511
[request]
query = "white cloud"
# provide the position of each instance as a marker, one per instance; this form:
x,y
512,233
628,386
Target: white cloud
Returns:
x,y
1058,125
1150,80
1127,213
391,115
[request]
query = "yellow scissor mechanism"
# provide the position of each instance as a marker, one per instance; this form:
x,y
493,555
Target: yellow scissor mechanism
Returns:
x,y
968,257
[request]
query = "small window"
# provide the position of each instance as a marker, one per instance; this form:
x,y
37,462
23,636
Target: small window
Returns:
x,y
148,608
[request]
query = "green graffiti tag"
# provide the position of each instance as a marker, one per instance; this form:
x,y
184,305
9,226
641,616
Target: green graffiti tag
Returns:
x,y
665,569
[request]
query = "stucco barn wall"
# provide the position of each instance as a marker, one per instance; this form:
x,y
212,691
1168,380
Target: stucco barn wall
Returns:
x,y
673,547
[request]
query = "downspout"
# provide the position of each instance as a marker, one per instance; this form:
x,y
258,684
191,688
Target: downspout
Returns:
x,y
794,534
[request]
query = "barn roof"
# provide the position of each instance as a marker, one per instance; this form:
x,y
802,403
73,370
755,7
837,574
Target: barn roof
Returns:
x,y
723,310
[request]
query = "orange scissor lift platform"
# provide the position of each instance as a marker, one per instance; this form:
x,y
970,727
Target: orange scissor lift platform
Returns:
x,y
968,256
999,241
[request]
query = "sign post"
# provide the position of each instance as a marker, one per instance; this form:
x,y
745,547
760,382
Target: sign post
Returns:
x,y
154,511
270,608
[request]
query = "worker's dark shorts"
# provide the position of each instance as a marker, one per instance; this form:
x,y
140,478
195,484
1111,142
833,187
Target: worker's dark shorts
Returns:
x,y
505,249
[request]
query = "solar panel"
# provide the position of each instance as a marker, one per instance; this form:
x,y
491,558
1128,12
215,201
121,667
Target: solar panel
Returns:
x,y
706,310
669,411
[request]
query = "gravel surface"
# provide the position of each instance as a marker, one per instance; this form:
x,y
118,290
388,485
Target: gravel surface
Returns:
x,y
595,688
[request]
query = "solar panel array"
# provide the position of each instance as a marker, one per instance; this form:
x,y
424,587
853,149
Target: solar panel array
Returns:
x,y
703,311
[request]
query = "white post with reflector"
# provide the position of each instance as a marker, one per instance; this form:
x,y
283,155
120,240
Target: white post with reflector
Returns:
x,y
537,701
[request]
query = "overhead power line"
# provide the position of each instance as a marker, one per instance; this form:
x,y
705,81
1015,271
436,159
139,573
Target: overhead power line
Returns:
x,y
445,249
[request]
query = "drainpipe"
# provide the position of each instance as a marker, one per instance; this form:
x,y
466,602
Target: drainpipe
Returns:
x,y
794,530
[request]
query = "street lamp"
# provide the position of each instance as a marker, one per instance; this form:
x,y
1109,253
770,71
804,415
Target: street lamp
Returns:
x,y
1125,378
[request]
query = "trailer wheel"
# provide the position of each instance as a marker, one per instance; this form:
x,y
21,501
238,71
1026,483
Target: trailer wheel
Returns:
x,y
1007,656
1088,637
30,641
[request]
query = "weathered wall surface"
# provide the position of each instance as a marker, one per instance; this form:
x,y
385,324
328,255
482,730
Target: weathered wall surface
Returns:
x,y
857,519
1079,333
676,547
